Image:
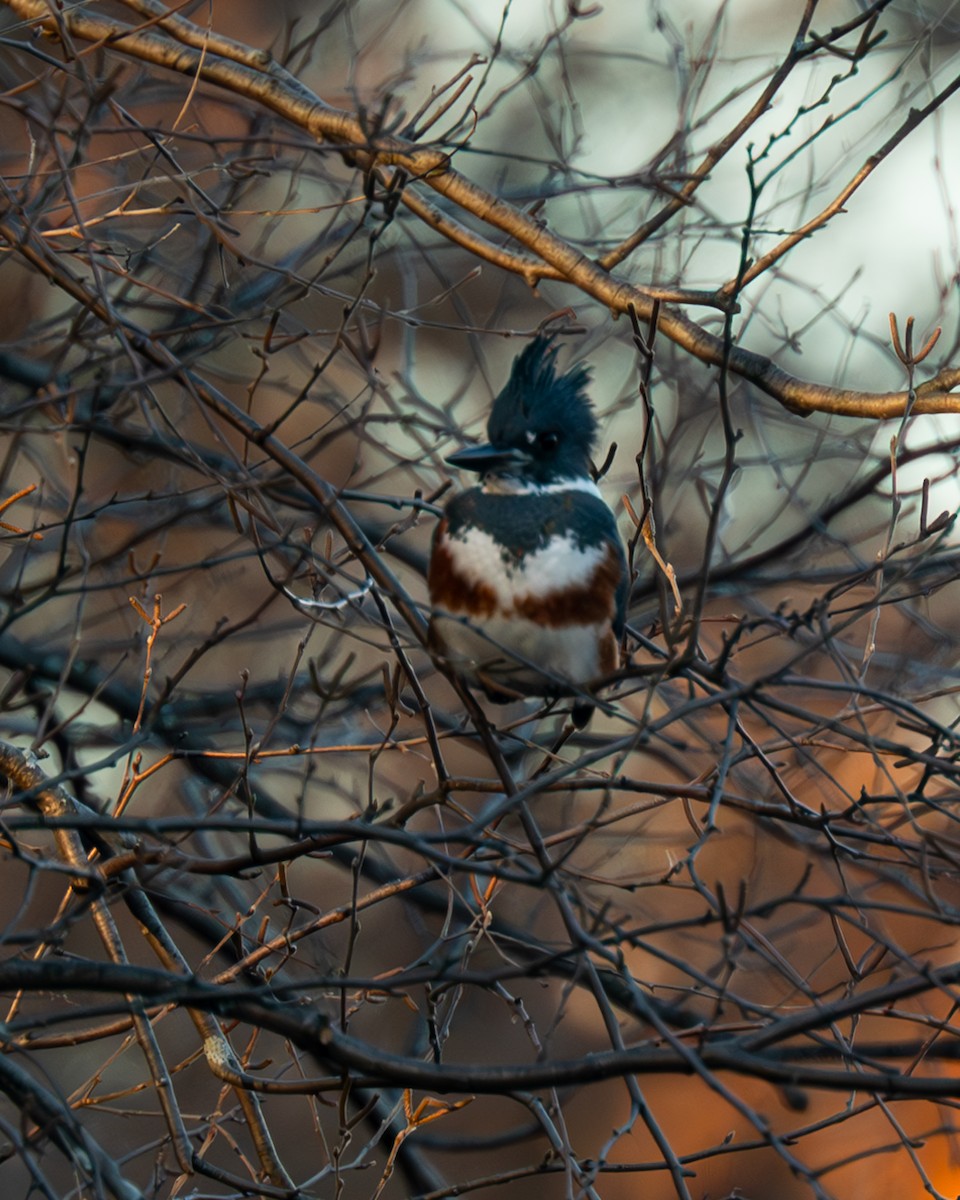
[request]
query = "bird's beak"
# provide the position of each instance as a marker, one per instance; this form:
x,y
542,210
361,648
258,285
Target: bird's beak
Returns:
x,y
487,458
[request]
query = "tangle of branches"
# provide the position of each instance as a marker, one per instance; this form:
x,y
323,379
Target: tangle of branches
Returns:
x,y
286,908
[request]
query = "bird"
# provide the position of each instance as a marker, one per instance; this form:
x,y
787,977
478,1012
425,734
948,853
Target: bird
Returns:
x,y
528,579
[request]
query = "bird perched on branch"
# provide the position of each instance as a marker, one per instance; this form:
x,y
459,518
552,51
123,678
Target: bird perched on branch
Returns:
x,y
528,578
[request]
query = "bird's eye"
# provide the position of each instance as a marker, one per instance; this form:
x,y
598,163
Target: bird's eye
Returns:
x,y
548,440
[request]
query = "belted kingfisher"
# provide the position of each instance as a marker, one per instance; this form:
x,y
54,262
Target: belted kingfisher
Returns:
x,y
528,578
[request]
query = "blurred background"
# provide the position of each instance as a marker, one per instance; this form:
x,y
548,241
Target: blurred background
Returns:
x,y
744,869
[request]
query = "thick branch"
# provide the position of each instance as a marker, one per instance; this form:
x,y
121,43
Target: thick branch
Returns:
x,y
252,73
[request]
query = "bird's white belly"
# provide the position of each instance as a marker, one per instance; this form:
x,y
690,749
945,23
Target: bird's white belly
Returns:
x,y
505,645
520,653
